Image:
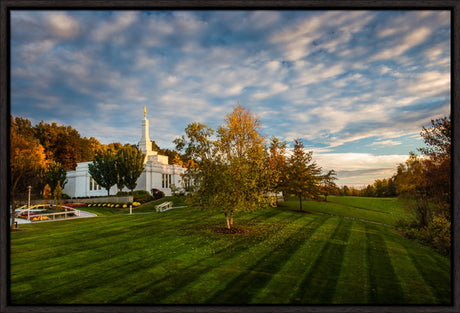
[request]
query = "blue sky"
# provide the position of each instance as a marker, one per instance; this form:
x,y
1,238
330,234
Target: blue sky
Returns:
x,y
355,86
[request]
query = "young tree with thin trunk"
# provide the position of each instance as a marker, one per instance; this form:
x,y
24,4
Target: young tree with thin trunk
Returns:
x,y
303,174
328,185
277,163
229,173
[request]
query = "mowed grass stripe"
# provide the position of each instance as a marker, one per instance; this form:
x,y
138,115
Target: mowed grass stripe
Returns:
x,y
284,284
318,286
384,286
221,275
352,286
167,275
412,283
255,277
435,275
342,210
384,205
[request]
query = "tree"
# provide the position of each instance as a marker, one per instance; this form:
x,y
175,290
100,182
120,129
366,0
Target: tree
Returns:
x,y
437,165
244,175
328,185
277,164
130,165
438,139
46,193
27,162
55,174
303,175
411,183
380,187
229,173
57,196
369,191
103,169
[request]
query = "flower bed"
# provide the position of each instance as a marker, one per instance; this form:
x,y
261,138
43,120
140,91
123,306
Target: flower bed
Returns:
x,y
34,217
76,205
112,205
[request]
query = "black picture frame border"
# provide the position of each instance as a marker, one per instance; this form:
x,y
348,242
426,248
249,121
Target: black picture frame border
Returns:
x,y
7,5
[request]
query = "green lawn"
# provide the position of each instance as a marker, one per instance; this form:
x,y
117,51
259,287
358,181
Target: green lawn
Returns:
x,y
379,210
287,257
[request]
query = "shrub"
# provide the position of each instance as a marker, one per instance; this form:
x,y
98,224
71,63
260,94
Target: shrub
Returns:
x,y
142,196
136,204
436,234
157,194
439,234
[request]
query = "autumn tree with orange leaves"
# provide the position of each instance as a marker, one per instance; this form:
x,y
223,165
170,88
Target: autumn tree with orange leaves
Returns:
x,y
27,163
231,172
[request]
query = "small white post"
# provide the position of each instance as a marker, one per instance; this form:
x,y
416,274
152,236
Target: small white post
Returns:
x,y
28,204
130,209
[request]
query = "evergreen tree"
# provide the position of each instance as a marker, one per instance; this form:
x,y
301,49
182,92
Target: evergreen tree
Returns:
x,y
303,174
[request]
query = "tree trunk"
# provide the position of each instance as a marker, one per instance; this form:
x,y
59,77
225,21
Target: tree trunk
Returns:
x,y
13,211
228,221
231,219
300,201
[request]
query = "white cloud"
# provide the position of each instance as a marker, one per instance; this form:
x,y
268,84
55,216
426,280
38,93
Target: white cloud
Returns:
x,y
110,29
430,83
63,25
34,50
412,39
386,143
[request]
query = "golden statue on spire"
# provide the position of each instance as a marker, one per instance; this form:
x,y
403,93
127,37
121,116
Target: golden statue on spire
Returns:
x,y
145,111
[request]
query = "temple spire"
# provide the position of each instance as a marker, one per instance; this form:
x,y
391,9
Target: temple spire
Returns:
x,y
145,144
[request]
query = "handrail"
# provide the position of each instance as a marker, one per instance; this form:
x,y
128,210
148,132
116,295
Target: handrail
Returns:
x,y
68,210
160,207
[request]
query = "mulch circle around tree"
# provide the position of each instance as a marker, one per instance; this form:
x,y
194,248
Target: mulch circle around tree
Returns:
x,y
233,231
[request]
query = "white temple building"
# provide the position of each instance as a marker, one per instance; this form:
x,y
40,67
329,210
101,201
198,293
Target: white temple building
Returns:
x,y
157,174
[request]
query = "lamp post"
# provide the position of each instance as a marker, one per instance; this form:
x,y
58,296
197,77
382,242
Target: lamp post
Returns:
x,y
28,204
